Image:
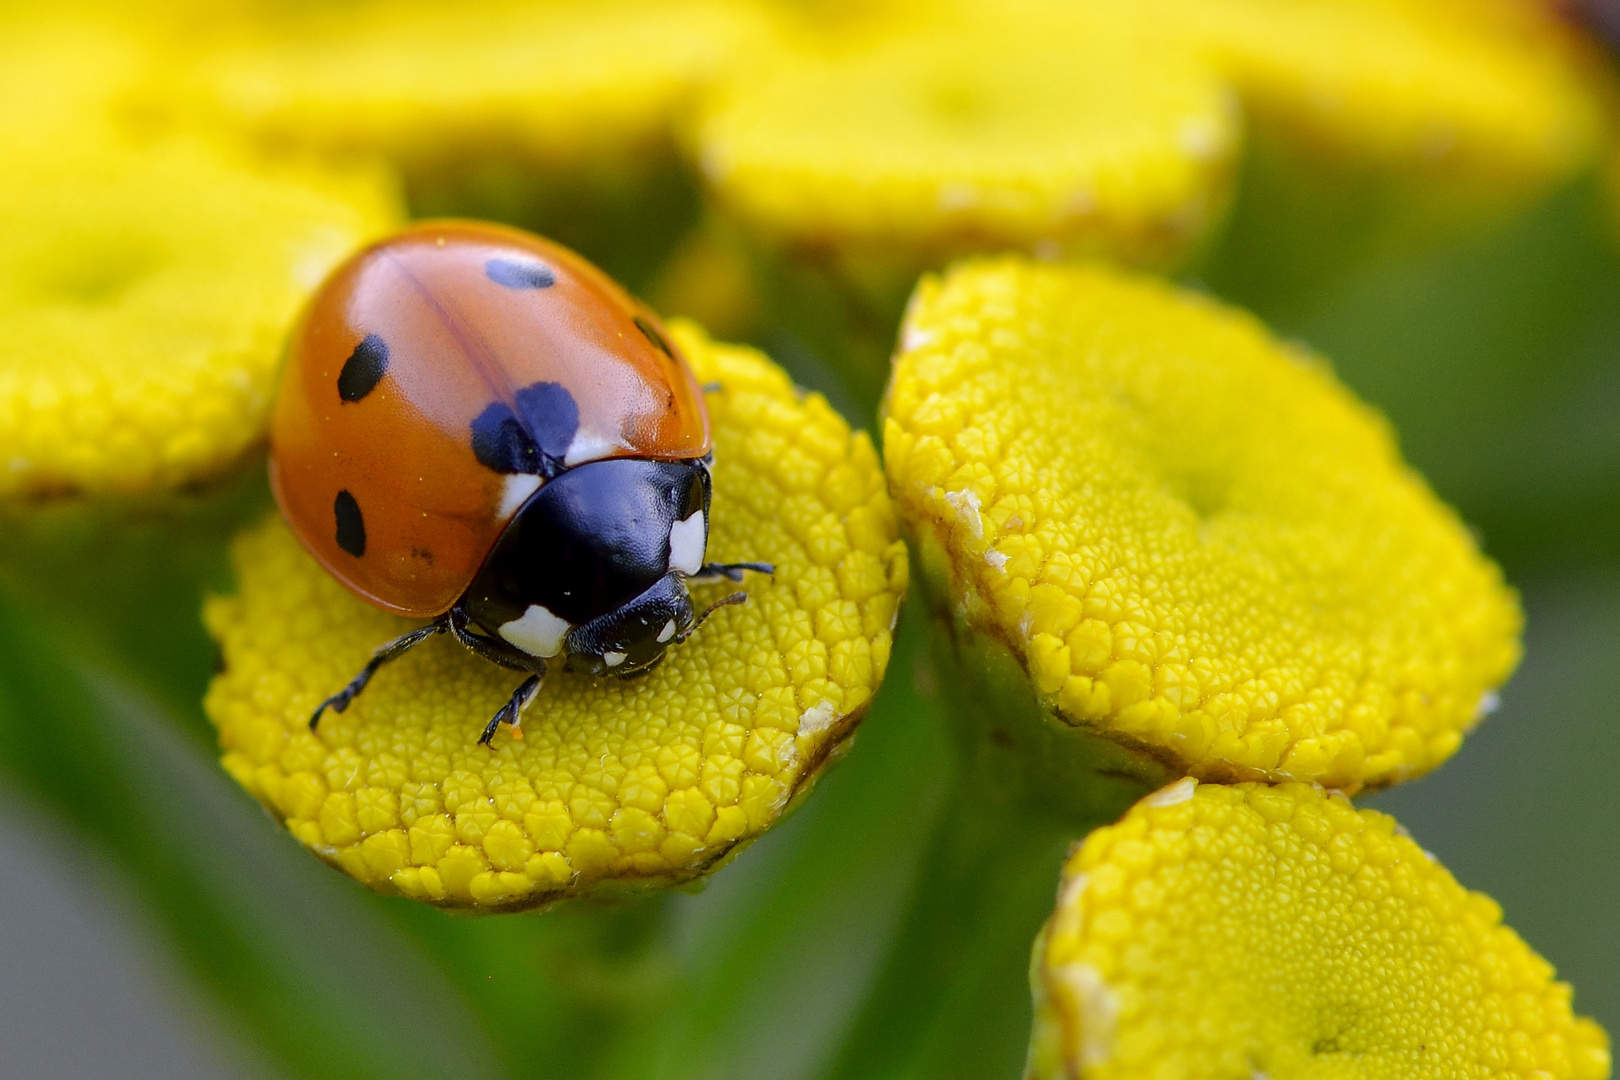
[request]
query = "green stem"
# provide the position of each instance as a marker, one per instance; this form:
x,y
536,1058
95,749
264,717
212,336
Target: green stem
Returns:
x,y
953,996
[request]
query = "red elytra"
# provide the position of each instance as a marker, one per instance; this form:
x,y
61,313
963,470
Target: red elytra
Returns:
x,y
398,356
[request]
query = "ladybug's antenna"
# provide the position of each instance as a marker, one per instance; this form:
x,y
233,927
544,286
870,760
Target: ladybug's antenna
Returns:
x,y
725,601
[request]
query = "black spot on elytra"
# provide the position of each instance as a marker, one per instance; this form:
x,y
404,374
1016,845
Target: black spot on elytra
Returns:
x,y
351,526
364,369
532,439
650,332
519,274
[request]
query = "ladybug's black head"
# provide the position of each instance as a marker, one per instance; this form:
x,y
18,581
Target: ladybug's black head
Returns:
x,y
594,565
632,639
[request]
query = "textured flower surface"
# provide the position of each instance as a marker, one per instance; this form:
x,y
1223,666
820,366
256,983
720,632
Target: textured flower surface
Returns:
x,y
649,780
146,292
1277,931
1191,537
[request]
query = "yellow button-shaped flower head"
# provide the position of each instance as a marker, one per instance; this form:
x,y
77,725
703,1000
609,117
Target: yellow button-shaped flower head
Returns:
x,y
1192,539
1277,931
145,293
650,780
418,82
1075,131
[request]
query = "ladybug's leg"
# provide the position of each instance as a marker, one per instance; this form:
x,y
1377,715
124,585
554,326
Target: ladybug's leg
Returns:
x,y
724,601
730,571
496,652
391,651
512,711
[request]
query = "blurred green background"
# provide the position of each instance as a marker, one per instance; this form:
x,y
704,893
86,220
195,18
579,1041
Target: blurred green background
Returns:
x,y
227,950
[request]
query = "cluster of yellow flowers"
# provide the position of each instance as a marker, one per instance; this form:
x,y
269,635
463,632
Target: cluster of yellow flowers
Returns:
x,y
1188,543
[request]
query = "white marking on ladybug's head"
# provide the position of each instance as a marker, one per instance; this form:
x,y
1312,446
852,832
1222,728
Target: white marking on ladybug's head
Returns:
x,y
613,659
687,539
588,446
515,491
538,632
667,632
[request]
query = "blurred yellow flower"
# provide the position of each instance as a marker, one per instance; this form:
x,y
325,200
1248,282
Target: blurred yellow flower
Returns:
x,y
646,781
1192,539
425,82
943,134
1277,931
64,80
1055,128
146,291
1482,92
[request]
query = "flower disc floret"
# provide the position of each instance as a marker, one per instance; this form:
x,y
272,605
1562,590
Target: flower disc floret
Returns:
x,y
1075,132
643,781
1278,931
1191,538
145,294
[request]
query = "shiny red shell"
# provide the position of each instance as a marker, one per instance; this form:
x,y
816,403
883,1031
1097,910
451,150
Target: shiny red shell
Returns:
x,y
398,461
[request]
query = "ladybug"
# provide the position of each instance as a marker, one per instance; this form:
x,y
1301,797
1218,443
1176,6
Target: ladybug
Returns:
x,y
477,427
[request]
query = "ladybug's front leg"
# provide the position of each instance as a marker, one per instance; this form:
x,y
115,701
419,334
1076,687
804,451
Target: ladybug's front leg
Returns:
x,y
391,651
512,711
729,571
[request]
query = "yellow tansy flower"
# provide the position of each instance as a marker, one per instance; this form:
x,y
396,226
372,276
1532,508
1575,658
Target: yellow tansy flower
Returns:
x,y
906,143
145,293
1483,91
1106,128
648,781
426,82
1278,931
1193,540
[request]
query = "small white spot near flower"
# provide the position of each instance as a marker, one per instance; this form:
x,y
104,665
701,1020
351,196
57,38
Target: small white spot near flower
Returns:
x,y
667,632
995,558
1199,138
1070,914
912,338
1489,702
1174,794
687,540
515,491
817,717
967,508
613,659
958,197
1098,1007
538,632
